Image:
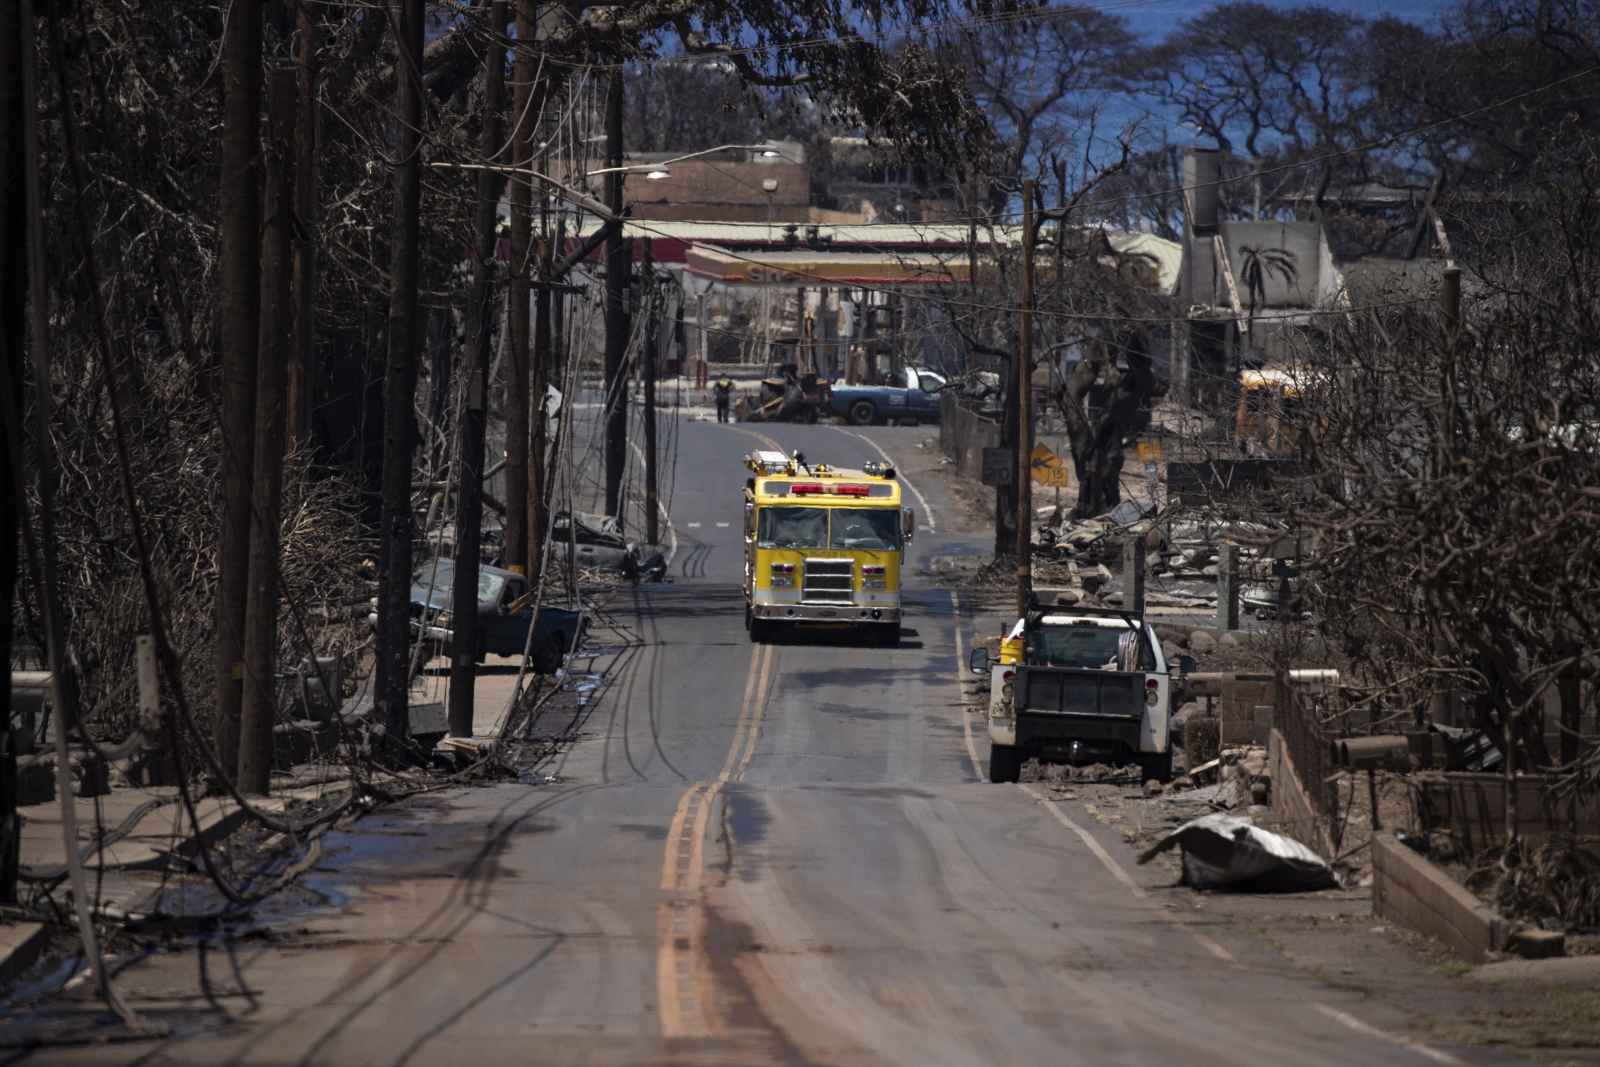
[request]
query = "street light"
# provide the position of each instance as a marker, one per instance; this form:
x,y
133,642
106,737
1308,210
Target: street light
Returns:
x,y
766,150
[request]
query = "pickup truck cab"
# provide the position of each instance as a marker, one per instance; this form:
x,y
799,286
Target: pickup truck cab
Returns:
x,y
1078,685
910,394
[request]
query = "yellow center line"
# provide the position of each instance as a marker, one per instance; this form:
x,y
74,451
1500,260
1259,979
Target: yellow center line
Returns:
x,y
685,988
763,438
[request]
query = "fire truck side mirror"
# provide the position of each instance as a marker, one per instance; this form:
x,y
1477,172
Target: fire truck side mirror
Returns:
x,y
908,524
979,661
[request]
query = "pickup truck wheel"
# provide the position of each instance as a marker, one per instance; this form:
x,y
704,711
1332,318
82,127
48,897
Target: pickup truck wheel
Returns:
x,y
863,413
1005,763
1156,766
548,659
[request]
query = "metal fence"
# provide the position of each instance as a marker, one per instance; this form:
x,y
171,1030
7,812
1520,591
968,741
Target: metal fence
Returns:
x,y
1297,717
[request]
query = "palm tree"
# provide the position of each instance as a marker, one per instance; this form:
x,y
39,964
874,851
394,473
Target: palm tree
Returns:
x,y
1259,265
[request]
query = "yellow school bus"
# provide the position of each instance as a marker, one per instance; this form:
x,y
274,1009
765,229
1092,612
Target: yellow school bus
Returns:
x,y
823,547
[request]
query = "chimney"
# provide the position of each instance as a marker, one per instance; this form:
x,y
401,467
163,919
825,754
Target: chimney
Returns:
x,y
1202,169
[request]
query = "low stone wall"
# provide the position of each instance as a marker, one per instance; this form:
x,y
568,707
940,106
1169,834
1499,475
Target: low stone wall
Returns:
x,y
1472,807
1407,888
964,434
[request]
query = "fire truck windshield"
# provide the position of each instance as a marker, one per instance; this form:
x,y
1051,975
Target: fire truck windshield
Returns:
x,y
868,529
793,528
873,529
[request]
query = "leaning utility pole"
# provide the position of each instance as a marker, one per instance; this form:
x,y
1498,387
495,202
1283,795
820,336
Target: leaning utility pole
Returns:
x,y
239,297
481,337
303,354
517,291
619,263
391,691
652,520
539,386
259,701
1025,412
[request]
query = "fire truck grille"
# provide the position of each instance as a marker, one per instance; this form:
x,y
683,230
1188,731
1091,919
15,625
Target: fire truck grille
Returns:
x,y
828,581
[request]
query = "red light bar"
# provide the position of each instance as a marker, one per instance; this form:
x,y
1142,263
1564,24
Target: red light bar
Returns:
x,y
852,490
807,487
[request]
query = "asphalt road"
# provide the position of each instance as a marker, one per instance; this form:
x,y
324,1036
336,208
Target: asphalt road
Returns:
x,y
754,855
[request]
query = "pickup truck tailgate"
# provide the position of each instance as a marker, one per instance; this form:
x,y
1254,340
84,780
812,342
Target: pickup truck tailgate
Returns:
x,y
1100,694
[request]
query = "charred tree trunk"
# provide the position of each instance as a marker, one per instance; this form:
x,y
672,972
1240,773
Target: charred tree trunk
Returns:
x,y
480,336
14,282
1099,434
239,297
392,684
303,354
517,297
259,701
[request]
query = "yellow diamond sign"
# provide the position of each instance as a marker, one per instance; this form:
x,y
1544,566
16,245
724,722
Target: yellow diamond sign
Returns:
x,y
1047,467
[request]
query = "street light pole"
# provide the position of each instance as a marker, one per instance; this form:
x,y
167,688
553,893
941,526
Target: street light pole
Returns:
x,y
1025,412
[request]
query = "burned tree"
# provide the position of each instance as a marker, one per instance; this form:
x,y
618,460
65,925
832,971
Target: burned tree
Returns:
x,y
1105,404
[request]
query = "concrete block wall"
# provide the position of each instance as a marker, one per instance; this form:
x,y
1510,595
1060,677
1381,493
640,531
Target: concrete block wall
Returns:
x,y
1407,888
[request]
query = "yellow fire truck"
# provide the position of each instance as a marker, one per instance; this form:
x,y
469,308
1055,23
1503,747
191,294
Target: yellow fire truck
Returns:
x,y
823,547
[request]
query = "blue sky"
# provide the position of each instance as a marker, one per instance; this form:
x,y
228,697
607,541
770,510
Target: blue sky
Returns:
x,y
1154,18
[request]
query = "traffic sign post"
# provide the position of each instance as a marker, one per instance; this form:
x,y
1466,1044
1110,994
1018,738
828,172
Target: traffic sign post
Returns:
x,y
999,466
1047,468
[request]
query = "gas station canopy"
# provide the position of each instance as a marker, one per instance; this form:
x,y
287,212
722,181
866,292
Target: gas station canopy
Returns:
x,y
808,267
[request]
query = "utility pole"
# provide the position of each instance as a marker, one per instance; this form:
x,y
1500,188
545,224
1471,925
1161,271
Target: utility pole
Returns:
x,y
239,297
517,293
1025,412
259,701
303,353
481,337
652,522
540,388
619,264
391,692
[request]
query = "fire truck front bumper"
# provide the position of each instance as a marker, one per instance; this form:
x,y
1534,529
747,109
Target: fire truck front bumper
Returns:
x,y
854,613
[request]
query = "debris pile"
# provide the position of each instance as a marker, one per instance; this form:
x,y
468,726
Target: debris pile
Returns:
x,y
1221,851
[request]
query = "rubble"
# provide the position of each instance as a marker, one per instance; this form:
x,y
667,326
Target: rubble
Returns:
x,y
1222,851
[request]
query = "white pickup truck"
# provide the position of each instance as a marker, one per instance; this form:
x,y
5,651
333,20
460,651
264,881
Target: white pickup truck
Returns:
x,y
1078,685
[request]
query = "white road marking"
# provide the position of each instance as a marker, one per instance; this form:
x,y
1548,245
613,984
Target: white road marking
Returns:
x,y
966,716
722,524
1421,1047
926,510
693,525
1127,879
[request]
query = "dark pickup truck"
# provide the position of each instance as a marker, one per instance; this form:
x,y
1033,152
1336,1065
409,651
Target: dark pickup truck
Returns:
x,y
501,632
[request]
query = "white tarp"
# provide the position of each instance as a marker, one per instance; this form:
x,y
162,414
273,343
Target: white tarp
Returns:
x,y
1221,850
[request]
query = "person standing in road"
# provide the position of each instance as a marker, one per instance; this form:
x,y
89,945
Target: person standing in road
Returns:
x,y
724,393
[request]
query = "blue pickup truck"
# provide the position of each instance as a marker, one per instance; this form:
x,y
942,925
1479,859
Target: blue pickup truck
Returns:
x,y
910,395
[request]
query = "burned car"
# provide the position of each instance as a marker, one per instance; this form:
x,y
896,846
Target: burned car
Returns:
x,y
600,544
505,613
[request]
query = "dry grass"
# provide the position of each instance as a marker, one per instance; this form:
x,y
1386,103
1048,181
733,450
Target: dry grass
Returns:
x,y
1564,1019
